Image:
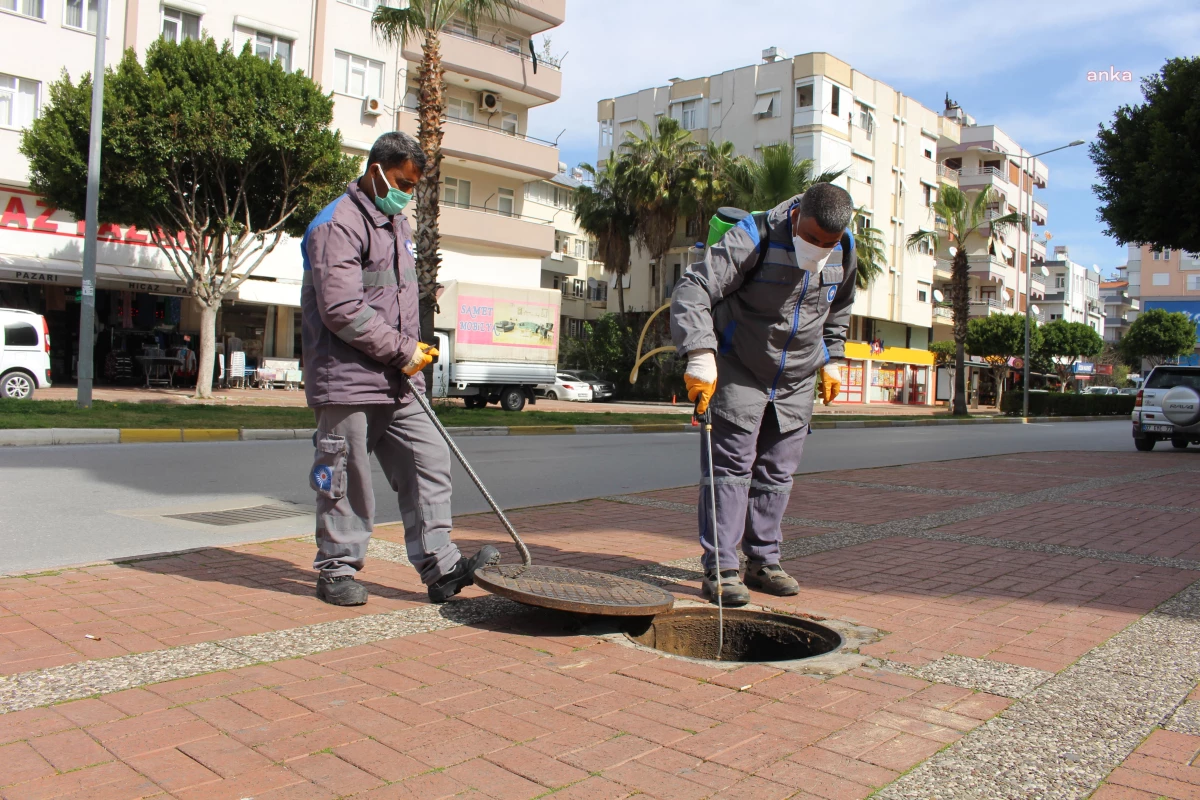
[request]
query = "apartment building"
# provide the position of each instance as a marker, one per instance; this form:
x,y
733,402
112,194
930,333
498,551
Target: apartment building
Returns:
x,y
986,157
1167,279
572,267
487,236
1120,307
842,119
1073,291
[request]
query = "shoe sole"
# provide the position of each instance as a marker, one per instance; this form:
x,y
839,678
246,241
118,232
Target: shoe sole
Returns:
x,y
725,601
328,601
773,592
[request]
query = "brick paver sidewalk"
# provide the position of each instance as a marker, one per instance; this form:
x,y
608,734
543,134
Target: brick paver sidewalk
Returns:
x,y
1032,630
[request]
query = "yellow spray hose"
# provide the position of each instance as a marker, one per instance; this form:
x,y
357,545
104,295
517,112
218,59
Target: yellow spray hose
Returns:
x,y
641,359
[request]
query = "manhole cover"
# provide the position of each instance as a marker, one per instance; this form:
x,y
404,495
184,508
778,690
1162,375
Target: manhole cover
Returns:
x,y
749,635
241,516
575,590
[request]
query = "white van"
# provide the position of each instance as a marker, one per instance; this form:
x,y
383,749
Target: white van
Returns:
x,y
24,353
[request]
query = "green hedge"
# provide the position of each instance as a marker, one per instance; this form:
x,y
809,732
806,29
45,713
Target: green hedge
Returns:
x,y
1060,404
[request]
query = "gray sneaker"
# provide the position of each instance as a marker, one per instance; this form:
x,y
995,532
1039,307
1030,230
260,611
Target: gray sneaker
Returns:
x,y
771,578
733,591
342,590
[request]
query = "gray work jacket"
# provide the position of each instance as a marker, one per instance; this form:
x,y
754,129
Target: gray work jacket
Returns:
x,y
772,328
359,304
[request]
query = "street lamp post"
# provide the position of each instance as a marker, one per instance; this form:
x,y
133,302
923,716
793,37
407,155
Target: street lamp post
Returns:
x,y
1029,260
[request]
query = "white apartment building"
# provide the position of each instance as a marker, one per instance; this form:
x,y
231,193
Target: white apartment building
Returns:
x,y
840,118
572,267
1120,307
987,157
1073,291
487,234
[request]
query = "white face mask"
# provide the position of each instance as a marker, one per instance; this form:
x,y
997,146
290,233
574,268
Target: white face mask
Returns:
x,y
810,257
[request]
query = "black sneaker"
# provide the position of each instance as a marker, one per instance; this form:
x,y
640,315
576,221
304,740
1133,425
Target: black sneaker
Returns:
x,y
462,575
341,590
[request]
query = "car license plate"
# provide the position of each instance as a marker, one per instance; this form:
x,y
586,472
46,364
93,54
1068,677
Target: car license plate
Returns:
x,y
1158,428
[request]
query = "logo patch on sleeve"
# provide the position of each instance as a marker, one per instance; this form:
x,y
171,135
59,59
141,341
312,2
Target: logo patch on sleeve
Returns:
x,y
412,248
322,477
832,293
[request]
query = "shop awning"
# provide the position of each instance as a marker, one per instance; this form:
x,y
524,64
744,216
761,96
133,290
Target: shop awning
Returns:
x,y
861,351
34,269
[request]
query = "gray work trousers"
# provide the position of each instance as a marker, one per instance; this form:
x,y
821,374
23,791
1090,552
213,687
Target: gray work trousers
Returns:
x,y
416,462
753,475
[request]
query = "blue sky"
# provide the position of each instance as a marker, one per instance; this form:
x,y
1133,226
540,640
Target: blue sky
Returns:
x,y
1021,65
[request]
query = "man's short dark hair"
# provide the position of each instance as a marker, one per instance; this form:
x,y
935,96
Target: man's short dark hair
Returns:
x,y
393,149
829,205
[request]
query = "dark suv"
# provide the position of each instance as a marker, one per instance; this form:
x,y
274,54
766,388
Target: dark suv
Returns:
x,y
601,389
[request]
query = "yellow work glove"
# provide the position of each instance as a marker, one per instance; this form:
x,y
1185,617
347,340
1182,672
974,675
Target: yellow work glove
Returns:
x,y
830,383
422,357
701,378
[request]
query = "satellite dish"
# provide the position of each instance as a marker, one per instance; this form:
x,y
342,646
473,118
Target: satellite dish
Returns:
x,y
938,296
1045,272
953,251
1096,267
1035,309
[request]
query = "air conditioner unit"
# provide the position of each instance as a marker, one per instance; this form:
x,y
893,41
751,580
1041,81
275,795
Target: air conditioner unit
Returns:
x,y
489,103
372,105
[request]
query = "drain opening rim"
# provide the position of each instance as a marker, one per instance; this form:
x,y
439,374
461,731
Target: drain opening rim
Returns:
x,y
832,641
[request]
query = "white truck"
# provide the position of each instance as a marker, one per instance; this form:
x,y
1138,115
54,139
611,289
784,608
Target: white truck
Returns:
x,y
496,343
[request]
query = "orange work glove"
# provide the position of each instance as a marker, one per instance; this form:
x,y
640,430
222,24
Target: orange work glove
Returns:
x,y
830,383
422,357
701,378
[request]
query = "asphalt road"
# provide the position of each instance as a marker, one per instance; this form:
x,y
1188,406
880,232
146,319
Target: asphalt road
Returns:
x,y
76,504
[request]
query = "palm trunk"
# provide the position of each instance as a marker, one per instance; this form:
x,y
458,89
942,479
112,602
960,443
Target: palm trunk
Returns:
x,y
208,346
962,311
432,107
621,296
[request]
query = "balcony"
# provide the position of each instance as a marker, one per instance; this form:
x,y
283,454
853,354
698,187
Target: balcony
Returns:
x,y
505,69
947,175
487,226
985,308
509,153
1039,213
943,269
981,176
535,16
943,315
989,269
1037,287
562,264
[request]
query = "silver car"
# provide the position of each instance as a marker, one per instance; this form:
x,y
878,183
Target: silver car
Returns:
x,y
1168,407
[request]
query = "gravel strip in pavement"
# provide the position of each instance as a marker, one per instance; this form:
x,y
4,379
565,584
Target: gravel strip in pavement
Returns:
x,y
980,674
1186,719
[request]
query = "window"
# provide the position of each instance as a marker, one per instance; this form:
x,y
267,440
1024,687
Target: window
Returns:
x,y
1060,282
606,133
460,109
1161,279
272,48
929,153
462,28
508,122
804,96
922,296
866,120
926,195
1156,255
688,116
598,293
20,334
767,105
578,287
1166,253
355,76
1056,316
456,192
179,25
75,17
835,105
26,8
504,202
18,101
512,44
581,248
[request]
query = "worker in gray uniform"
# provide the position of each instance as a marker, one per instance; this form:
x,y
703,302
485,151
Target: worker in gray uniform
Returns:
x,y
762,320
362,362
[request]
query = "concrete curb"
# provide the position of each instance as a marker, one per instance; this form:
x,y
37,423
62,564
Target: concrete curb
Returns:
x,y
41,437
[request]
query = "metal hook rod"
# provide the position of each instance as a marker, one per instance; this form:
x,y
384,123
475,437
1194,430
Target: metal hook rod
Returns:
x,y
526,559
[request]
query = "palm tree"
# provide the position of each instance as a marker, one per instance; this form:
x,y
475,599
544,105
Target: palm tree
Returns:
x,y
959,217
659,166
774,177
712,183
425,20
604,212
869,247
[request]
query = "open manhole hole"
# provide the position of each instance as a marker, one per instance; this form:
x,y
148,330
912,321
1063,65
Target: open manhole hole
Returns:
x,y
750,636
241,516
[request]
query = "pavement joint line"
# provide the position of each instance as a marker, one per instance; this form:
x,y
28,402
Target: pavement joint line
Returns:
x,y
1064,738
1063,550
979,674
102,676
910,488
1146,506
1186,719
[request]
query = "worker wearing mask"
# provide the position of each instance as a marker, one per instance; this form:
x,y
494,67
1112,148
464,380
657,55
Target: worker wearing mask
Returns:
x,y
363,361
762,320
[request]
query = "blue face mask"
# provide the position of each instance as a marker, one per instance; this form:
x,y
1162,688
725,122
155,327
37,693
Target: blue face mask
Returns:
x,y
394,201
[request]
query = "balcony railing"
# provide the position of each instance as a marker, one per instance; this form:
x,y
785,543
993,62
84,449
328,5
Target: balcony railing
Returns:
x,y
996,171
552,62
983,308
950,175
498,212
943,313
486,126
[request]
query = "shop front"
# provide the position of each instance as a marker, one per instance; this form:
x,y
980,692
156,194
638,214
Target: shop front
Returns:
x,y
894,375
144,311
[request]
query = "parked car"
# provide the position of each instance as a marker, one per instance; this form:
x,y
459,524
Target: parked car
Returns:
x,y
1129,390
1101,390
567,387
24,353
1168,407
601,389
